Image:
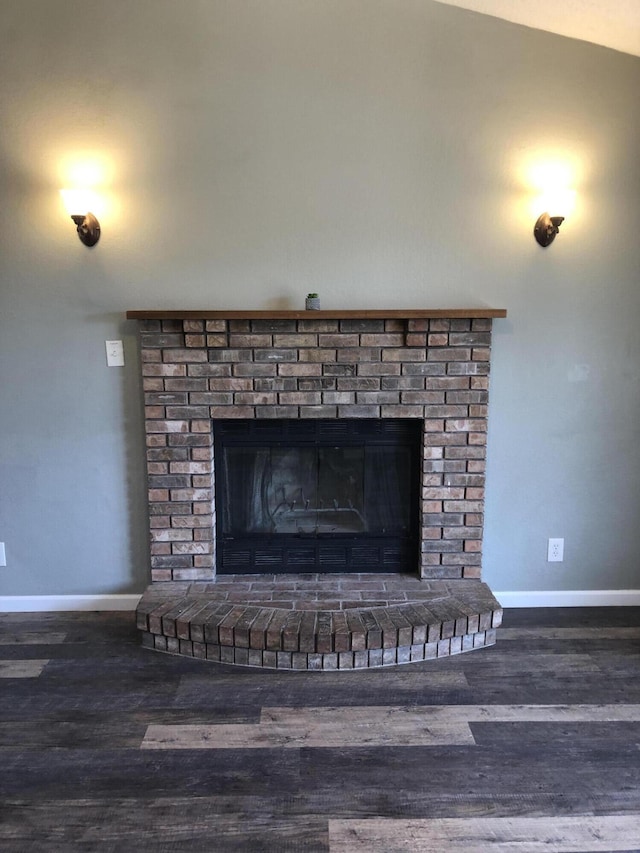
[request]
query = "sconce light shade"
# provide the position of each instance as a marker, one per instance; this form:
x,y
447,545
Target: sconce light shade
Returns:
x,y
87,224
546,228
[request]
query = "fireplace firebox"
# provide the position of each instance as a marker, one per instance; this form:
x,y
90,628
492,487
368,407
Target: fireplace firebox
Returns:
x,y
320,495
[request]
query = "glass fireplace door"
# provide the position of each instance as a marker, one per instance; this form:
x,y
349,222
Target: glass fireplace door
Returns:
x,y
295,500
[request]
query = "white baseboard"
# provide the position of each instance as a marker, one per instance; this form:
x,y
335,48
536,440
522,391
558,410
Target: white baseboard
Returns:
x,y
524,598
570,598
43,603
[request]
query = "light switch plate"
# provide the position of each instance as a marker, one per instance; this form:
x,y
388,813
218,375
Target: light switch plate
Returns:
x,y
115,353
3,556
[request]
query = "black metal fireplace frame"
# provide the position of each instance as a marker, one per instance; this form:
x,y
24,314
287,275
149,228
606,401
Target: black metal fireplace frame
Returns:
x,y
285,553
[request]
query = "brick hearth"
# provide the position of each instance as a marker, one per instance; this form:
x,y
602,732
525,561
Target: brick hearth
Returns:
x,y
201,366
319,622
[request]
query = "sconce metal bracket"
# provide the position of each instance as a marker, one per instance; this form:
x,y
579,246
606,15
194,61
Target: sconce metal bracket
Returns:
x,y
546,228
88,228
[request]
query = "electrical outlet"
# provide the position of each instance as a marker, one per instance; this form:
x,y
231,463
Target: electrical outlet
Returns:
x,y
555,551
3,556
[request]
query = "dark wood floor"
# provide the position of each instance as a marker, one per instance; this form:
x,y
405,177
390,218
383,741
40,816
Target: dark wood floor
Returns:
x,y
532,744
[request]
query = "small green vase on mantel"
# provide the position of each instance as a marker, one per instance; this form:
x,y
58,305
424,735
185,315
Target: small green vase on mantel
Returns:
x,y
312,302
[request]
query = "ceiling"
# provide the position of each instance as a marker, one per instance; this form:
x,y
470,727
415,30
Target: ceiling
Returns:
x,y
614,24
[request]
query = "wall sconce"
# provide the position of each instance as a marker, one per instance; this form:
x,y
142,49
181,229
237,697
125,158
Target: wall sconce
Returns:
x,y
546,228
87,224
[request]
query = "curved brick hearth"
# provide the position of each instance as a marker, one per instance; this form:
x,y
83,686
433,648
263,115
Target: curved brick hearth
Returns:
x,y
318,622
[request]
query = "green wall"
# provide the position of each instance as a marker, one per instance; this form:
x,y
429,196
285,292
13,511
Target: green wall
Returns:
x,y
374,151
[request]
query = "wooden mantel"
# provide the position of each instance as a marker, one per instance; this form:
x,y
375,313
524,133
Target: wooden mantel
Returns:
x,y
333,314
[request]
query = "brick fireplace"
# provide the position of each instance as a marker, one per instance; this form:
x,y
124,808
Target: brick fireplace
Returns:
x,y
206,366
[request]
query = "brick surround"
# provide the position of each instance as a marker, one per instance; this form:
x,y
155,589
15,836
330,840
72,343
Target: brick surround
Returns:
x,y
311,365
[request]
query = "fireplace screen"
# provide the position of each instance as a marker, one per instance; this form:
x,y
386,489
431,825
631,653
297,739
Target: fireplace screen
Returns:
x,y
298,496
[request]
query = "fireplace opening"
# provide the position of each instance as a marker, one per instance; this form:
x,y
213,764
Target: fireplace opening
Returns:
x,y
298,496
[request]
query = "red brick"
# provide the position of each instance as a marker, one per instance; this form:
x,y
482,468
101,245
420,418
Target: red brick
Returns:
x,y
410,383
403,355
164,370
171,535
201,426
195,521
466,425
250,341
415,339
255,398
338,397
359,411
481,354
203,534
191,548
378,397
479,382
358,354
251,369
190,384
477,438
438,340
157,467
199,481
178,356
449,354
152,383
191,495
432,479
317,325
299,369
187,412
220,340
161,575
379,369
446,383
432,452
298,340
203,561
474,494
383,340
431,532
441,439
300,398
194,340
269,412
455,505
318,411
471,572
478,411
461,533
444,494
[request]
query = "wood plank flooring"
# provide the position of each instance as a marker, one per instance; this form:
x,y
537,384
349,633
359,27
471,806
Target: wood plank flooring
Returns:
x,y
532,744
